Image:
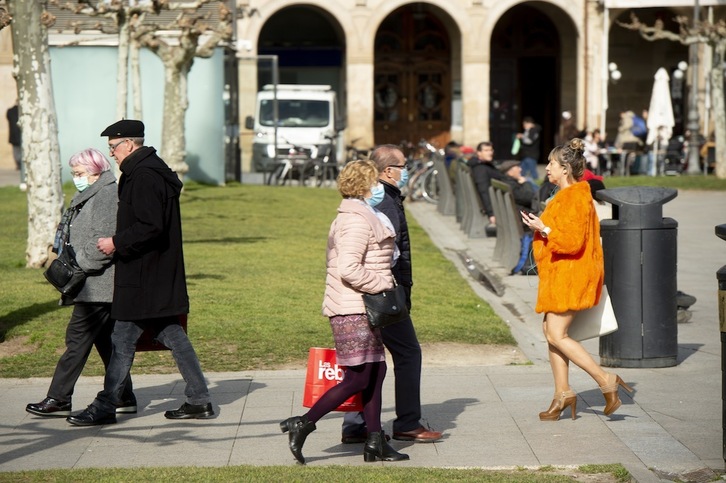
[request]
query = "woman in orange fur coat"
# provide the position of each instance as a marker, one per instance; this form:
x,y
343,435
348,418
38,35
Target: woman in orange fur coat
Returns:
x,y
569,260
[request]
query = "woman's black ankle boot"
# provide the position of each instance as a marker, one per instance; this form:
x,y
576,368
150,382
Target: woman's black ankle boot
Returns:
x,y
299,428
378,448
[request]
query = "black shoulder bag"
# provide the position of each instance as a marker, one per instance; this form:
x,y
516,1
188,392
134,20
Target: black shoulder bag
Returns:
x,y
64,273
386,308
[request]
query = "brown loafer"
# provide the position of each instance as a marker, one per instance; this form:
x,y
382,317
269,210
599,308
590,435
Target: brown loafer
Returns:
x,y
418,435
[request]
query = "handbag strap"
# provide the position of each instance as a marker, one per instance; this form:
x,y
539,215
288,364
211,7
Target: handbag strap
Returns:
x,y
62,234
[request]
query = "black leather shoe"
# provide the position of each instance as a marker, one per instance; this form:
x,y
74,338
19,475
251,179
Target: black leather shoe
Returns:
x,y
191,411
92,416
127,406
50,407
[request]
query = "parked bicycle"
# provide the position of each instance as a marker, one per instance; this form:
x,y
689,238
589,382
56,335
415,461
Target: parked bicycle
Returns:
x,y
325,167
354,153
423,181
295,164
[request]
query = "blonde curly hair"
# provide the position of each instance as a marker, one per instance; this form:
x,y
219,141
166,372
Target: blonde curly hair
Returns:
x,y
572,154
356,179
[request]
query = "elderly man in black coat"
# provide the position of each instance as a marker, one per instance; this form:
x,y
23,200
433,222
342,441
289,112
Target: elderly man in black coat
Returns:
x,y
150,289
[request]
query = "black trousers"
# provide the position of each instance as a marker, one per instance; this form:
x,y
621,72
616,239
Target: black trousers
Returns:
x,y
90,324
401,341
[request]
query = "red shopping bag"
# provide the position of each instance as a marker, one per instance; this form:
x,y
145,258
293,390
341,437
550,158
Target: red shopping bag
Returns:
x,y
324,373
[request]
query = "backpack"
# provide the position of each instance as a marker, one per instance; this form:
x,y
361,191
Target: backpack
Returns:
x,y
639,129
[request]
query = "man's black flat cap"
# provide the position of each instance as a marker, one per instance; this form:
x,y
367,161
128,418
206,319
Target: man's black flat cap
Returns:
x,y
126,128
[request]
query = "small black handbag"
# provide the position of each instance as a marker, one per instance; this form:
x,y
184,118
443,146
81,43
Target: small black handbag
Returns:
x,y
386,308
65,274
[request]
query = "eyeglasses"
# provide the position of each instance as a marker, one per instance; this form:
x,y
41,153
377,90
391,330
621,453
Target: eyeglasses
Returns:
x,y
112,147
399,166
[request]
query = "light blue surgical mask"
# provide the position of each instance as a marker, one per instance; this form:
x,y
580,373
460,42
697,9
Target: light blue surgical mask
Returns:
x,y
81,183
404,178
377,194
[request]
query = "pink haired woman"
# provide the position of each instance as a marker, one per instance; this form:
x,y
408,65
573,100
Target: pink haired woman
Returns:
x,y
91,214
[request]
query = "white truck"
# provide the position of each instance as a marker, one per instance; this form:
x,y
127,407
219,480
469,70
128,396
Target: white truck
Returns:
x,y
308,124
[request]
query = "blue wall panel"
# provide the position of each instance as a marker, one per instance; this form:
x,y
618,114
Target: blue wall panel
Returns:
x,y
84,84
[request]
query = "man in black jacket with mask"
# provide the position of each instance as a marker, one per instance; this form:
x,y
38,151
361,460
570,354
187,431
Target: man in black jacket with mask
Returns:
x,y
400,338
150,289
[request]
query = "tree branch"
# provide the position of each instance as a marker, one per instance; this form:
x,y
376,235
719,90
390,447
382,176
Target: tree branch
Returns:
x,y
5,17
657,32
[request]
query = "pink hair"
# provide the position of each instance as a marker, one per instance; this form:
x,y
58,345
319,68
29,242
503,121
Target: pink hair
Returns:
x,y
92,159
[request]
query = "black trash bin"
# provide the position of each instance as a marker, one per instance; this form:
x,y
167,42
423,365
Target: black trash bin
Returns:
x,y
721,277
639,247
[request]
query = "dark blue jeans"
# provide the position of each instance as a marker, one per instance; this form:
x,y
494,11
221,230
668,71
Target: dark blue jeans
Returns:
x,y
529,168
171,334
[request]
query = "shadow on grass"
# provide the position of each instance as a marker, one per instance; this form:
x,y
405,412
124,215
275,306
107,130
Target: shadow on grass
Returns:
x,y
25,314
240,239
205,276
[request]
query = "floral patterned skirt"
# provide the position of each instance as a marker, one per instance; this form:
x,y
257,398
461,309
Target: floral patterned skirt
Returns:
x,y
355,342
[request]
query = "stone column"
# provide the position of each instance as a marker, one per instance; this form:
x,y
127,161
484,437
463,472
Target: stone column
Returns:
x,y
359,73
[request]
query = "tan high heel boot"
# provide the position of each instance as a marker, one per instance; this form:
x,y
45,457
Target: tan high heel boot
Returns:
x,y
610,391
559,404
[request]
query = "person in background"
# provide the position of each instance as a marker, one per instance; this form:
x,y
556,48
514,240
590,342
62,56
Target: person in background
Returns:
x,y
595,150
483,171
360,251
400,339
569,260
452,152
14,135
15,140
568,128
92,213
525,196
529,150
150,290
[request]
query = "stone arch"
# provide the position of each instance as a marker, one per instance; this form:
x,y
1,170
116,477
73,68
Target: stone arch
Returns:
x,y
535,71
417,93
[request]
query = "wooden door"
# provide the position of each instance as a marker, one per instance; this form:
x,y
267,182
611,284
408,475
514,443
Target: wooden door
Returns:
x,y
412,92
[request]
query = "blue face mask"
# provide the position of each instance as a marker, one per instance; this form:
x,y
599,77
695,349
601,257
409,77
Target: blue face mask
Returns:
x,y
377,193
81,183
404,178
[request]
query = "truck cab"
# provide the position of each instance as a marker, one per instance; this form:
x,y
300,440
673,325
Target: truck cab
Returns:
x,y
307,122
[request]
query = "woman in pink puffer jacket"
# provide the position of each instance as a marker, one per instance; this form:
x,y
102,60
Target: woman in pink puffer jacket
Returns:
x,y
359,257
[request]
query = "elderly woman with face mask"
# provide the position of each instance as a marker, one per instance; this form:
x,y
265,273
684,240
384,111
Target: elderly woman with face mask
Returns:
x,y
360,253
91,214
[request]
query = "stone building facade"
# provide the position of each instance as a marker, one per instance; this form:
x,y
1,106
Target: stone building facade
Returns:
x,y
463,70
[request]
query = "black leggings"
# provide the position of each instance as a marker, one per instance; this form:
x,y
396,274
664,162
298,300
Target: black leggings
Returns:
x,y
366,378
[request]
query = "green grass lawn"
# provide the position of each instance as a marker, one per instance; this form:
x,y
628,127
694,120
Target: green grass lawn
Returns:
x,y
255,260
604,473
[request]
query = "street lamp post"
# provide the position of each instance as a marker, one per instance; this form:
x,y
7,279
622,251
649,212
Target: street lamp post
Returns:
x,y
694,159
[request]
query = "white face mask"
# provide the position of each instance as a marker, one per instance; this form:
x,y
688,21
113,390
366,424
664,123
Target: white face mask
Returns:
x,y
81,183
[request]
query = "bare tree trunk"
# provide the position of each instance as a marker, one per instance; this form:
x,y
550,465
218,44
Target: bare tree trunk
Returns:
x,y
39,127
719,114
122,75
136,79
173,149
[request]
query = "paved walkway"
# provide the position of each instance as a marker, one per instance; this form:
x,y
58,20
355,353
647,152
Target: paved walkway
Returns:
x,y
670,428
9,177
